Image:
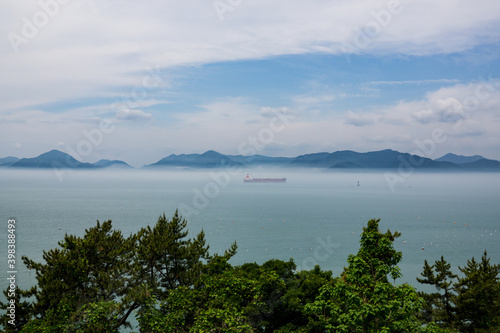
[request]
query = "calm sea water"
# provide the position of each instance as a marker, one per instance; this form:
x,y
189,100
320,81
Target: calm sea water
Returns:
x,y
314,218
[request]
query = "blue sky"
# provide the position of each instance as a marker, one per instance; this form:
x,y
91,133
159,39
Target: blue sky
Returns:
x,y
169,77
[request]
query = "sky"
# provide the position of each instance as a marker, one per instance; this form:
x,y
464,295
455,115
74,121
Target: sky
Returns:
x,y
138,81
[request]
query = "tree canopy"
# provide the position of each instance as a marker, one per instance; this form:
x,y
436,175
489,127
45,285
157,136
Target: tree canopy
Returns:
x,y
363,299
172,283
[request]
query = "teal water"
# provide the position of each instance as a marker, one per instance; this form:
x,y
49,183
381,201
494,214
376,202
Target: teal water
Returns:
x,y
314,218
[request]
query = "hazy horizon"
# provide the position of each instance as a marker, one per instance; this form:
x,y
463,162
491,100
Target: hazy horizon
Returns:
x,y
86,160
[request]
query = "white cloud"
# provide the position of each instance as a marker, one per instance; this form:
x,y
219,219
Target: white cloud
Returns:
x,y
357,119
413,82
270,112
86,47
221,113
423,116
36,117
309,100
468,127
463,112
449,105
133,115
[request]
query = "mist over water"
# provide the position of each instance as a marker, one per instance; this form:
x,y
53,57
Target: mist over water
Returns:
x,y
315,218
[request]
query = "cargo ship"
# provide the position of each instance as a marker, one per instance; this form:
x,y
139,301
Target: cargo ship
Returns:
x,y
250,179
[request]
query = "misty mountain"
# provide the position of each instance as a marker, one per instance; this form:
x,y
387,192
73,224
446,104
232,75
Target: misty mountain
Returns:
x,y
482,164
260,160
209,159
341,159
6,161
459,159
52,159
60,160
112,164
377,159
346,159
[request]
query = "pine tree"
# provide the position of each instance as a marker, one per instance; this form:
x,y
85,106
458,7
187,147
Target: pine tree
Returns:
x,y
165,259
93,269
478,301
440,306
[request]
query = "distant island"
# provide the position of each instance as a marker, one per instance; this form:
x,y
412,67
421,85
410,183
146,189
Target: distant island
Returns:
x,y
57,159
345,159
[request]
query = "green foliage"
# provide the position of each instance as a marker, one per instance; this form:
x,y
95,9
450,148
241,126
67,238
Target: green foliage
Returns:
x,y
363,299
96,317
468,304
94,282
95,268
478,300
440,306
217,306
165,259
23,309
172,284
55,320
283,308
246,298
432,327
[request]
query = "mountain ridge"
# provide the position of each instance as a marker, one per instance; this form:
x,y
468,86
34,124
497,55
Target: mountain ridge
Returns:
x,y
383,159
208,159
61,160
8,160
343,159
459,159
104,163
51,159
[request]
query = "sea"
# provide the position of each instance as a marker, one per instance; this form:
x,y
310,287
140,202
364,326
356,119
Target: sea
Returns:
x,y
315,218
